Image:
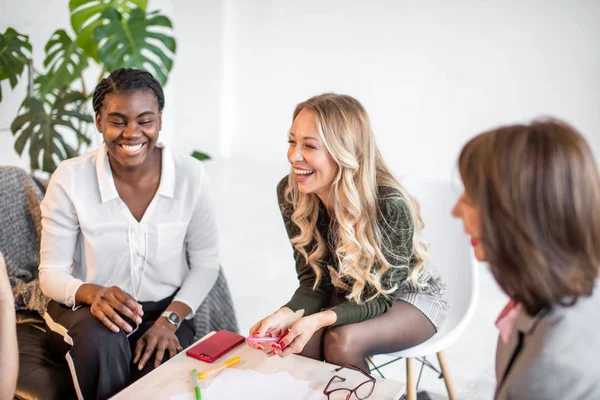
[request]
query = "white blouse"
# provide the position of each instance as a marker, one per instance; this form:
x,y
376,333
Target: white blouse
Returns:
x,y
90,236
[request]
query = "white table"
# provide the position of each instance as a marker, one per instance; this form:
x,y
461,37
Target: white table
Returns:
x,y
173,377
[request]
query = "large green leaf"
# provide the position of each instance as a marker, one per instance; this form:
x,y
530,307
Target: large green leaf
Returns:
x,y
64,61
85,18
44,128
48,97
139,41
15,50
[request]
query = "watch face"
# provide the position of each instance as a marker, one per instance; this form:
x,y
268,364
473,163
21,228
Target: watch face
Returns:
x,y
173,318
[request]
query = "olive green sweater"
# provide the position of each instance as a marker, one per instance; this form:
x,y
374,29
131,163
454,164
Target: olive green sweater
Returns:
x,y
394,218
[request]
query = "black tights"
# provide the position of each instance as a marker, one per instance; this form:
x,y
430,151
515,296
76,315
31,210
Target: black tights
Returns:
x,y
401,327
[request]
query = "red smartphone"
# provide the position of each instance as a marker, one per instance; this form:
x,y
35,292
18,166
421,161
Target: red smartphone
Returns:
x,y
215,346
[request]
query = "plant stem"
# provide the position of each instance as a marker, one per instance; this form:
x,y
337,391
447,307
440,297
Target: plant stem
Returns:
x,y
83,89
80,129
30,73
30,94
102,73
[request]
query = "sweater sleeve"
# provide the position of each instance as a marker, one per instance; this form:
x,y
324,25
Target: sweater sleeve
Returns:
x,y
305,298
397,230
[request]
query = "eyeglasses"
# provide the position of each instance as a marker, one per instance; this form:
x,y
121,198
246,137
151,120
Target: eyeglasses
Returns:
x,y
361,391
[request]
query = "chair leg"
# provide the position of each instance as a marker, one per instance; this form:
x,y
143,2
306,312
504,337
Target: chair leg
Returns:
x,y
411,390
447,379
372,366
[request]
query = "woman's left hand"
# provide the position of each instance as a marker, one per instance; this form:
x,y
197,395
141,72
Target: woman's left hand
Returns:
x,y
302,331
160,337
299,334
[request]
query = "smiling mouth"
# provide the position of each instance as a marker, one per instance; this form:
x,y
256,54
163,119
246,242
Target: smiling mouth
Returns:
x,y
303,175
304,172
131,149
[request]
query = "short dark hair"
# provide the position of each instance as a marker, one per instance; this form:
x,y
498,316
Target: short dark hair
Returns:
x,y
124,79
537,189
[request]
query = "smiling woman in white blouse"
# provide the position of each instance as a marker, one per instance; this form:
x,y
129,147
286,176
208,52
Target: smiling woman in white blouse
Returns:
x,y
129,244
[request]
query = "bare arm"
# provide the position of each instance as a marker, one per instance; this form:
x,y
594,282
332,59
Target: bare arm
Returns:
x,y
9,362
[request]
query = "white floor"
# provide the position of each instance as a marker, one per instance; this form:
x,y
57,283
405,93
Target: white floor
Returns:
x,y
257,258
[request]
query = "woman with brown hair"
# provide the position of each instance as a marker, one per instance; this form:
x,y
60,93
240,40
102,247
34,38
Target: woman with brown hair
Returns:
x,y
531,205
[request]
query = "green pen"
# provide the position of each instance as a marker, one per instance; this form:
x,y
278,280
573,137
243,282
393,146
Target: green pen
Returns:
x,y
196,385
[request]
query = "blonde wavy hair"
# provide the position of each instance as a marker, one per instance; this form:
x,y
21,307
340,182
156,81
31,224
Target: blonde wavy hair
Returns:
x,y
361,242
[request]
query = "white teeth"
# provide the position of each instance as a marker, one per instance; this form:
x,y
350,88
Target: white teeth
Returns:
x,y
303,171
131,149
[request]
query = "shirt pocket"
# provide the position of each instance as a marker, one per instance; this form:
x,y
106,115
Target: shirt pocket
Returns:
x,y
171,239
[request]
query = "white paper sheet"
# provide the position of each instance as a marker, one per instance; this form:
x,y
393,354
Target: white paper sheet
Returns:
x,y
184,396
240,384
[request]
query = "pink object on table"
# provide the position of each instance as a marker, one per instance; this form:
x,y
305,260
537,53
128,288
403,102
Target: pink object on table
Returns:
x,y
262,339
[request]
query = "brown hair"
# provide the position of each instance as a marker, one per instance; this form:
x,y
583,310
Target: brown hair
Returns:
x,y
537,189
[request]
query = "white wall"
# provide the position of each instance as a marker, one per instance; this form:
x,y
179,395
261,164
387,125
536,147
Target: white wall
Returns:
x,y
195,82
430,73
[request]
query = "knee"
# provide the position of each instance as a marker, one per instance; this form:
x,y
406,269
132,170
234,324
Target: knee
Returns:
x,y
96,338
341,346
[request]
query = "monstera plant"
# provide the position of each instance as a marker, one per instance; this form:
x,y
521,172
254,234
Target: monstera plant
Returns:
x,y
14,52
54,120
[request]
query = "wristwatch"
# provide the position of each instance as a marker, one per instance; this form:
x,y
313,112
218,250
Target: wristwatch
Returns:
x,y
172,318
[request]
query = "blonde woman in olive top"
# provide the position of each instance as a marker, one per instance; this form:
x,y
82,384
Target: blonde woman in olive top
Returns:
x,y
364,286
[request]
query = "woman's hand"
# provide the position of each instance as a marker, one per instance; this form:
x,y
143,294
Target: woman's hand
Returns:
x,y
161,337
106,301
276,324
302,331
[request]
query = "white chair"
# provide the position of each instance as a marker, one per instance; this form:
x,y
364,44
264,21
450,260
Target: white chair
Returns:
x,y
453,258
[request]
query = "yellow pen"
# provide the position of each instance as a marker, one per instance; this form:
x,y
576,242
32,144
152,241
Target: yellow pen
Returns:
x,y
226,364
